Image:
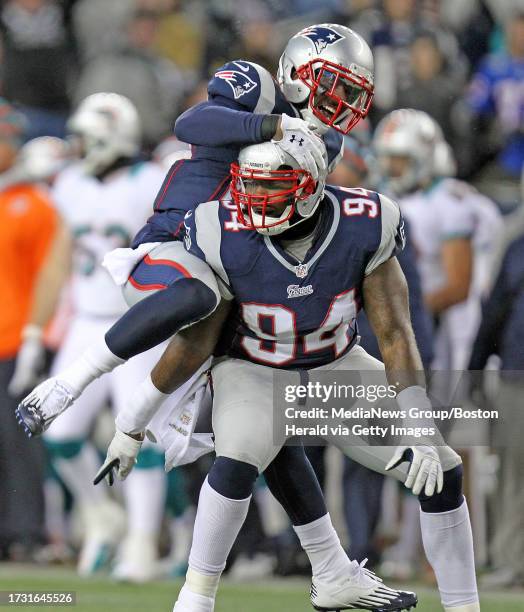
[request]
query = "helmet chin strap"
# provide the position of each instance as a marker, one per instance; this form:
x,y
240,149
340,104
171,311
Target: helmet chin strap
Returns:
x,y
302,227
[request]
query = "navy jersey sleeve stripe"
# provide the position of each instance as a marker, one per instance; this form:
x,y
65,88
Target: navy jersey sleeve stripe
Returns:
x,y
167,181
219,191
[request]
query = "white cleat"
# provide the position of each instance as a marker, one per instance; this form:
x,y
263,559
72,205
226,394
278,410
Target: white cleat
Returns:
x,y
39,409
104,528
363,590
193,602
137,559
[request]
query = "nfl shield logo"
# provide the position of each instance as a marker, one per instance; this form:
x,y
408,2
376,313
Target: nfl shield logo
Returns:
x,y
301,270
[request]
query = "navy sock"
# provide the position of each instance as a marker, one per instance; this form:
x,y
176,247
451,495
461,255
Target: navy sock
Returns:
x,y
292,480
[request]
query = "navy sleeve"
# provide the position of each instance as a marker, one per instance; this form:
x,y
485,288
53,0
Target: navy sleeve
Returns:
x,y
215,124
240,95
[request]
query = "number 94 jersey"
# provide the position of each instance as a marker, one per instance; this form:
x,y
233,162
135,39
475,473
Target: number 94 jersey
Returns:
x,y
295,314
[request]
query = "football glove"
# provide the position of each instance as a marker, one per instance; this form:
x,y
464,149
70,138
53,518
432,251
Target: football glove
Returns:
x,y
425,470
121,457
306,147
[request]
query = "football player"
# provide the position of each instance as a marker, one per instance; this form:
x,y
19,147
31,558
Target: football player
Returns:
x,y
104,198
454,227
303,512
335,248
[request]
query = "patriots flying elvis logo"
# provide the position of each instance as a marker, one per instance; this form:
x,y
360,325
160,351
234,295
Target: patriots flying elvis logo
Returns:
x,y
239,82
321,37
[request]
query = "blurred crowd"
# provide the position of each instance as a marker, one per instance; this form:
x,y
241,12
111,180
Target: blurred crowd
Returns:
x,y
461,63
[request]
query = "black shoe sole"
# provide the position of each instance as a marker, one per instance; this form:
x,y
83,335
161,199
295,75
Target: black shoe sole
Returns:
x,y
400,609
21,421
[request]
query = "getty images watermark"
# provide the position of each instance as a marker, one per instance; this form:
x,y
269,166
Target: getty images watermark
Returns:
x,y
360,408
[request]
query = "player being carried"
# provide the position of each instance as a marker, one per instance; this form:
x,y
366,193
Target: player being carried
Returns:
x,y
327,83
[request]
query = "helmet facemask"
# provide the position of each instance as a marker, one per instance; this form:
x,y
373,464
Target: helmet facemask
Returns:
x,y
339,97
417,138
399,183
266,200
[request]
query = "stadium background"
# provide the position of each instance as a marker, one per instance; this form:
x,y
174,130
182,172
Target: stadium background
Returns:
x,y
160,53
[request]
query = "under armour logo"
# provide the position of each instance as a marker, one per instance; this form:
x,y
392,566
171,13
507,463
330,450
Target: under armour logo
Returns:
x,y
294,137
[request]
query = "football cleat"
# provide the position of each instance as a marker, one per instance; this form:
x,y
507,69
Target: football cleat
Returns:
x,y
363,590
137,559
193,602
39,409
104,526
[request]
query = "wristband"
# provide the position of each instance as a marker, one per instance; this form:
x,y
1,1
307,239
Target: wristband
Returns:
x,y
269,127
144,404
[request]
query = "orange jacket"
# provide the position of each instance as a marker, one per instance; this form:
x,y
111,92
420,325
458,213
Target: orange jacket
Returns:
x,y
28,222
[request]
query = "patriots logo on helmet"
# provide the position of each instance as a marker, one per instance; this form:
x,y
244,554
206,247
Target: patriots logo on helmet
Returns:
x,y
321,37
239,82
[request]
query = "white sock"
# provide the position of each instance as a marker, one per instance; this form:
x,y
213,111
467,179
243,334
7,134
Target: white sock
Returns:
x,y
328,559
77,474
472,607
217,524
141,408
181,534
189,600
145,494
448,543
94,361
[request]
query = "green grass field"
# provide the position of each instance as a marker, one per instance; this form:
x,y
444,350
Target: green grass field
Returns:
x,y
289,595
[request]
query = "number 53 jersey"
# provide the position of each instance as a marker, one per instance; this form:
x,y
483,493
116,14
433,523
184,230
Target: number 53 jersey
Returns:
x,y
103,215
297,314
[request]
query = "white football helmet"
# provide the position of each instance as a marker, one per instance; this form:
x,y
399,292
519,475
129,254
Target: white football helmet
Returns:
x,y
416,136
42,158
330,68
271,191
109,127
39,160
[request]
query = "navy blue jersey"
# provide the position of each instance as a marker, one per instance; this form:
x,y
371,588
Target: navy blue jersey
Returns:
x,y
295,314
241,94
